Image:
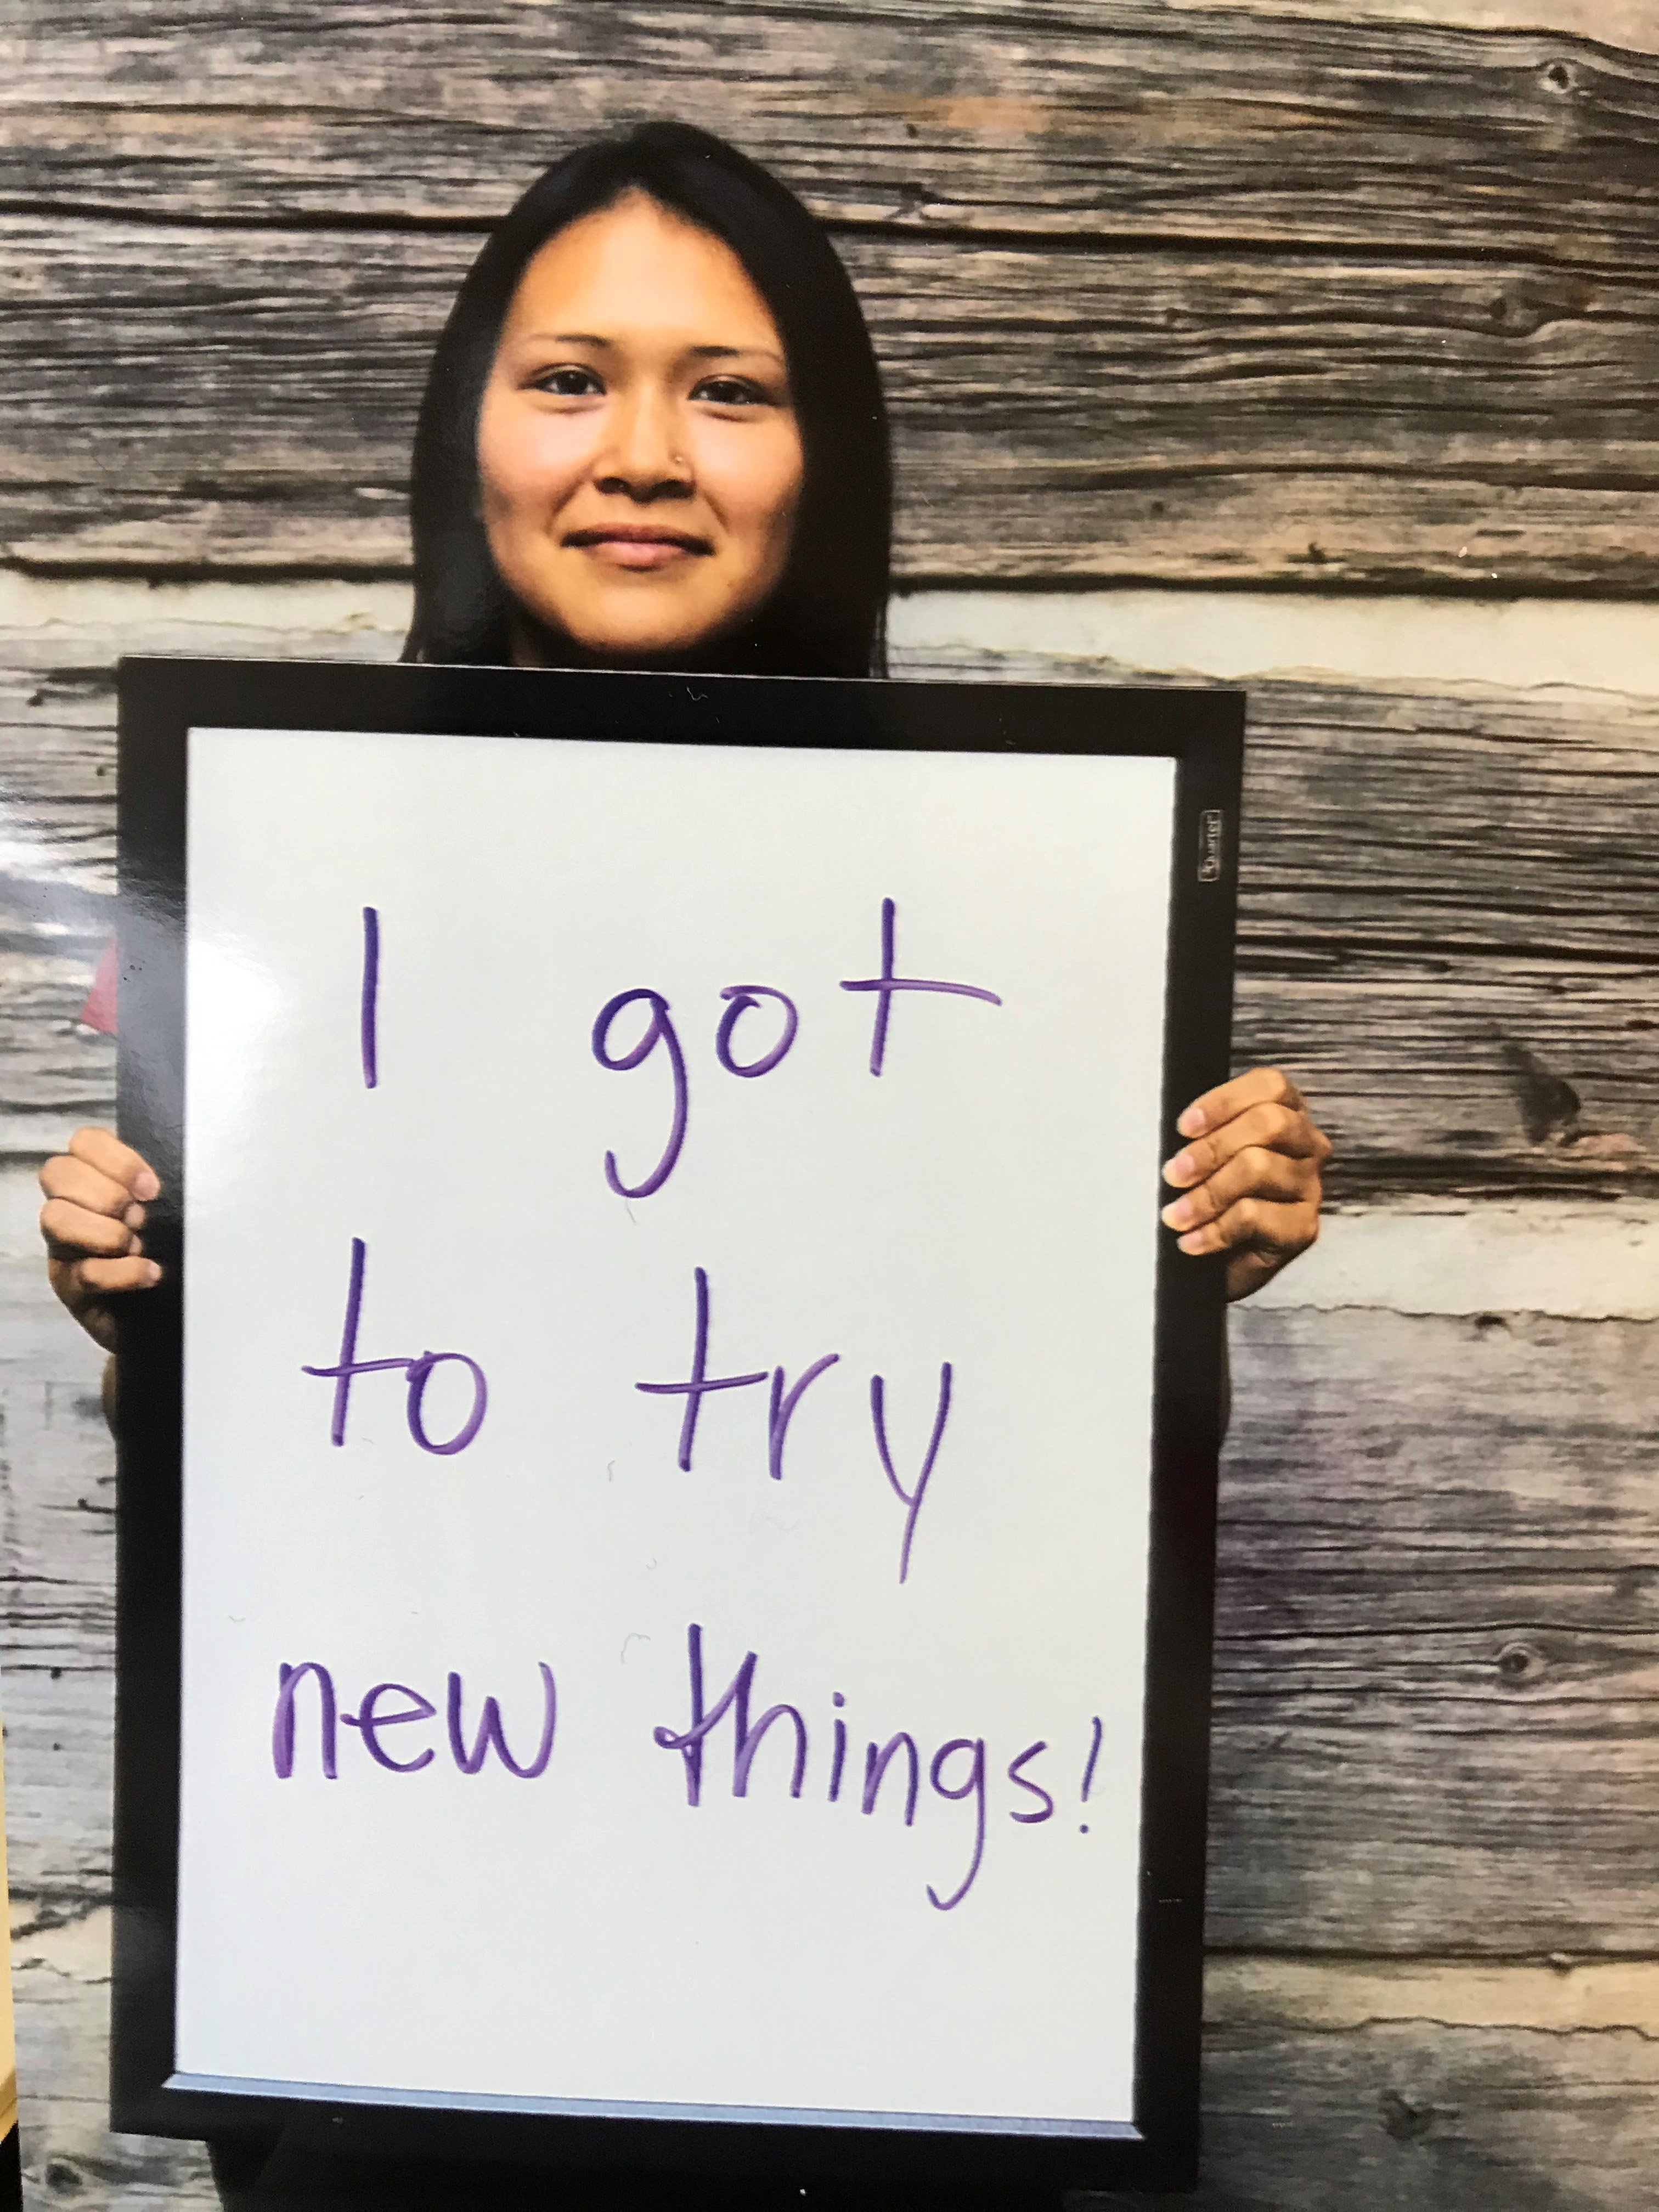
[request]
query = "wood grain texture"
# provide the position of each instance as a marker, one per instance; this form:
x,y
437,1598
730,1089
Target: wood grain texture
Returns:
x,y
1418,2117
1076,117
1437,1664
195,399
1449,916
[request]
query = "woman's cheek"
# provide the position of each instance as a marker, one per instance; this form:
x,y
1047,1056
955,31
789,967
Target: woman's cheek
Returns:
x,y
755,485
528,466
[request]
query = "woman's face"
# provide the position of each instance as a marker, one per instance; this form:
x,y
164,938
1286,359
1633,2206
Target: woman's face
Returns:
x,y
638,451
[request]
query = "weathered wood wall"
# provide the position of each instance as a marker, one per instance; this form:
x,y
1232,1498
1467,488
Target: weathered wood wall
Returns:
x,y
1344,301
1222,294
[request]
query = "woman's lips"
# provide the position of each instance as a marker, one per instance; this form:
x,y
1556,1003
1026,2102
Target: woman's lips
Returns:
x,y
633,545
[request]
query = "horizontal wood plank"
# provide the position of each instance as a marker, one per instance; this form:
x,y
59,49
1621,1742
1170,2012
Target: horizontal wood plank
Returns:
x,y
1079,117
192,399
1414,2117
1309,2101
1450,914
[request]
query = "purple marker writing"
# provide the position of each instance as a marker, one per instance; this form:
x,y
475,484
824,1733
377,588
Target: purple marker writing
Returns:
x,y
900,1754
369,1720
747,1736
368,1025
372,1716
698,1384
782,1409
742,996
910,1499
659,1030
974,1787
1016,1776
887,982
289,1681
417,1370
490,1731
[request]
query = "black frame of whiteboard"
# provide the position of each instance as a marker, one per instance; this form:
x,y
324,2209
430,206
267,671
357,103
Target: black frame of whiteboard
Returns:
x,y
1202,731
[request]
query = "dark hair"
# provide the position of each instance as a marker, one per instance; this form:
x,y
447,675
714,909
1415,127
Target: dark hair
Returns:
x,y
827,614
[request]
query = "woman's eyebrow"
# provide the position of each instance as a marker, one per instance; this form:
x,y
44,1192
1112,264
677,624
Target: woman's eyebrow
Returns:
x,y
692,353
734,353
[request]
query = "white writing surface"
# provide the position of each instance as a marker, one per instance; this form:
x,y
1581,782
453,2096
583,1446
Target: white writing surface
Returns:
x,y
615,1290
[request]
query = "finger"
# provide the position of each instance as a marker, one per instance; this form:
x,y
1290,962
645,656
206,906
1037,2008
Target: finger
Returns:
x,y
1253,1172
104,1277
1262,1086
1279,1128
1278,1230
103,1149
71,1230
69,1178
84,1302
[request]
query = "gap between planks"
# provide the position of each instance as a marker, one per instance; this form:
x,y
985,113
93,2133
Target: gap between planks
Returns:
x,y
1225,635
1563,1997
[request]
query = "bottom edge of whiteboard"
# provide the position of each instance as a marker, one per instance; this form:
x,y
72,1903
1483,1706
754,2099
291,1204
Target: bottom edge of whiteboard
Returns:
x,y
220,2085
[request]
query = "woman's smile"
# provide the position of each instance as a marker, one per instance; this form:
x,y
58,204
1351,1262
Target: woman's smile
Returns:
x,y
637,545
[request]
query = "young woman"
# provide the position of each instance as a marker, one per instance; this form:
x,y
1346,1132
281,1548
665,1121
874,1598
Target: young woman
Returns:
x,y
653,436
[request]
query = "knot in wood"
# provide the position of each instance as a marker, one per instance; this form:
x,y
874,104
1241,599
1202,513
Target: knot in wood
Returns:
x,y
1520,1662
1558,77
1404,2123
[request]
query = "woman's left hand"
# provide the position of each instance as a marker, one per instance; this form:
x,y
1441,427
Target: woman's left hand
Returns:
x,y
1249,1176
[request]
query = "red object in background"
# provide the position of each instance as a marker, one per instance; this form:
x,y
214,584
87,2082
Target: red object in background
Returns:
x,y
99,1012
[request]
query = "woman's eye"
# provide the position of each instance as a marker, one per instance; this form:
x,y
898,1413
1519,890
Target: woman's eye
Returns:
x,y
572,383
730,392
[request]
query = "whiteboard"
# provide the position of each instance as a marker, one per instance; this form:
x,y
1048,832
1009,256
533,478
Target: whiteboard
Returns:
x,y
668,1441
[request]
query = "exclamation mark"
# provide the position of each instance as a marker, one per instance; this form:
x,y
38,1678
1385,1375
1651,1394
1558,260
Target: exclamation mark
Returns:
x,y
1089,1770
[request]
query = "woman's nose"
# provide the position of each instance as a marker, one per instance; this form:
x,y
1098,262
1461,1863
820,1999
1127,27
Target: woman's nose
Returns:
x,y
640,458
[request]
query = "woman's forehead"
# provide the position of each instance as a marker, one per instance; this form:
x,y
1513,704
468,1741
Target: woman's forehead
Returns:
x,y
638,266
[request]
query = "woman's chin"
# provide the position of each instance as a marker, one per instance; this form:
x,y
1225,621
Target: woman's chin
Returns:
x,y
634,635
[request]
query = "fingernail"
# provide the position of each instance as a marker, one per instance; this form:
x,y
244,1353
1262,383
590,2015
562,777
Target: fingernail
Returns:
x,y
134,1217
1194,1243
1192,1122
134,1246
152,1274
1179,1214
144,1184
1181,1169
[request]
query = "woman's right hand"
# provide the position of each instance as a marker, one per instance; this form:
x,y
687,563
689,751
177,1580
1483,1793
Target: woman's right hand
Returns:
x,y
96,1194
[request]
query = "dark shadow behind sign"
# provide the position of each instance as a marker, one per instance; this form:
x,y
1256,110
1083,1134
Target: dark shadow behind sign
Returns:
x,y
1154,2145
